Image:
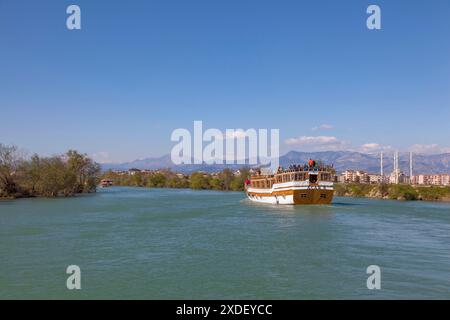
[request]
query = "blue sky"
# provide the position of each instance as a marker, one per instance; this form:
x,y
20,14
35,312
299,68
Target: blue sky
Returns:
x,y
137,70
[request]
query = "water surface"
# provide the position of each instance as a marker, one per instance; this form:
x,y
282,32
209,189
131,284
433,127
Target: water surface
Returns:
x,y
135,243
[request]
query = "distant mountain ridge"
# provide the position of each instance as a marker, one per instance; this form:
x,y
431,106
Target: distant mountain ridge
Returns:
x,y
342,160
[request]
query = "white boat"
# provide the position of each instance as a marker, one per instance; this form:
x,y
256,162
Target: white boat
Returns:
x,y
296,186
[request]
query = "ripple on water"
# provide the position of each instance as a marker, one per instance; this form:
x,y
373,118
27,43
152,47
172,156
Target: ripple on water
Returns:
x,y
155,243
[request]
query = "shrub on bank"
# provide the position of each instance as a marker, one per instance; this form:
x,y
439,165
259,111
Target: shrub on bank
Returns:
x,y
402,192
433,193
393,191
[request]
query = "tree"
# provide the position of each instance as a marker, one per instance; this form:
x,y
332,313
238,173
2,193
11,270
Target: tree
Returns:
x,y
157,180
50,176
30,175
199,180
85,170
9,162
239,181
226,177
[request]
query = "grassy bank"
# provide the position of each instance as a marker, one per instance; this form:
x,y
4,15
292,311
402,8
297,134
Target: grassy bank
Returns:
x,y
394,192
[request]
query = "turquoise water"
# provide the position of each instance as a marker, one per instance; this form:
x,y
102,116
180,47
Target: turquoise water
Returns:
x,y
183,244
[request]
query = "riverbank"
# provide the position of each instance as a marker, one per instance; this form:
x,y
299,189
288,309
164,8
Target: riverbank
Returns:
x,y
227,181
394,192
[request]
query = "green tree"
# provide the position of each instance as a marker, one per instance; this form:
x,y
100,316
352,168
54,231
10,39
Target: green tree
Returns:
x,y
226,177
30,176
85,170
199,180
156,180
51,177
239,181
9,163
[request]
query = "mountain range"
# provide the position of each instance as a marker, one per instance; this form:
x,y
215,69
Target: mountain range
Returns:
x,y
342,160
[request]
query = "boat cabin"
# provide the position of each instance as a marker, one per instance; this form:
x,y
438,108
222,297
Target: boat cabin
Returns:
x,y
312,176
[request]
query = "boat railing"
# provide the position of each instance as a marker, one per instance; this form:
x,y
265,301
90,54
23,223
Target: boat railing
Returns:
x,y
290,171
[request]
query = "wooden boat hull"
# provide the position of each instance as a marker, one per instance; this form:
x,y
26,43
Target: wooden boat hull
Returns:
x,y
293,196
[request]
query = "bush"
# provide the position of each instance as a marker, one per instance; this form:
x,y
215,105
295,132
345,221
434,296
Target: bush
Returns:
x,y
64,175
405,192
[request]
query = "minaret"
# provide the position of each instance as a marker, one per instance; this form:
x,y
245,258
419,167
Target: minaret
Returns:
x,y
393,170
397,173
381,165
410,166
396,169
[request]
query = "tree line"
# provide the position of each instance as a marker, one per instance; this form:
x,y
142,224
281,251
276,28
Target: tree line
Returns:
x,y
225,180
36,176
393,191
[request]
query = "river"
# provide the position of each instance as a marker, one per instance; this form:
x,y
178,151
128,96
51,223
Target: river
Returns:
x,y
137,243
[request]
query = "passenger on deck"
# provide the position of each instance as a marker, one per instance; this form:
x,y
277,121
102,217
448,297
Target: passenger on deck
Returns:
x,y
311,163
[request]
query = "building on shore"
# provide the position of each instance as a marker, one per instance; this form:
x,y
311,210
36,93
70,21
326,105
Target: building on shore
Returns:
x,y
375,178
431,179
133,171
398,177
354,176
358,176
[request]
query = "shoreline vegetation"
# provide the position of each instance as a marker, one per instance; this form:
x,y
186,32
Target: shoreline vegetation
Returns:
x,y
393,192
57,176
226,180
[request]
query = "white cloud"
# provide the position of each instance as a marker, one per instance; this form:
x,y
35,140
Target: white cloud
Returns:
x,y
373,147
323,127
317,143
318,140
332,143
101,157
429,148
370,146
